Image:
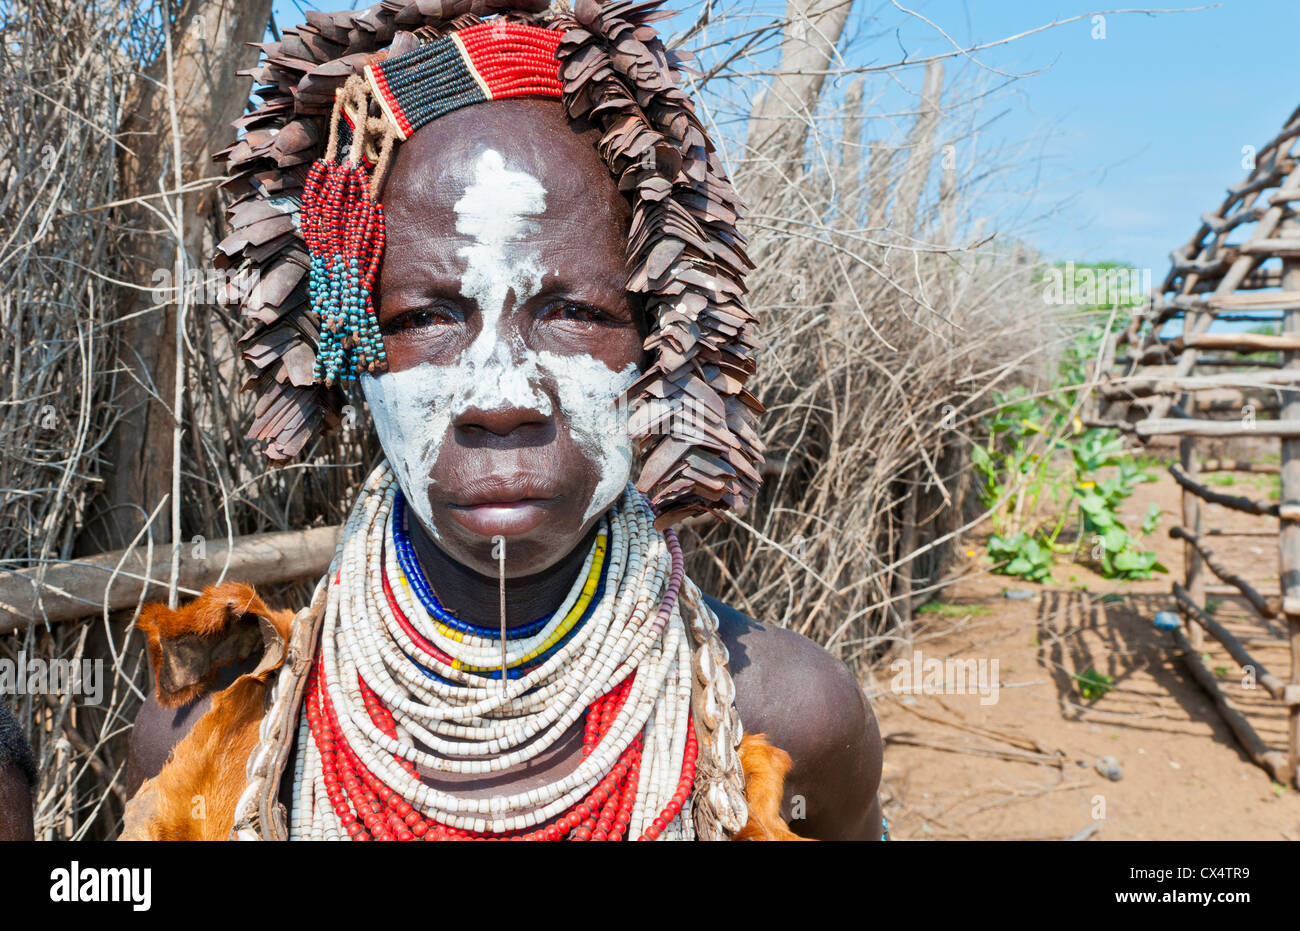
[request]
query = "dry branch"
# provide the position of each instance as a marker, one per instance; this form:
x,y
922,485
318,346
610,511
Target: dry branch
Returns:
x,y
1271,683
58,592
1240,465
1270,760
1225,574
1002,753
1236,502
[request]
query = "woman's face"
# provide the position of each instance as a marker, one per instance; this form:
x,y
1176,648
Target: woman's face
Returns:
x,y
508,331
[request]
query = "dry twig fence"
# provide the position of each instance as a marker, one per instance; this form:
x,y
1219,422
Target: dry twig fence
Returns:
x,y
1243,264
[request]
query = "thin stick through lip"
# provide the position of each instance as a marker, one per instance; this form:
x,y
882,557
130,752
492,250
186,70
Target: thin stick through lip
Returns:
x,y
499,551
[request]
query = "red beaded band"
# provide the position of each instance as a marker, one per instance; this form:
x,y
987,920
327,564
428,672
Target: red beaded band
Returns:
x,y
513,60
388,101
370,810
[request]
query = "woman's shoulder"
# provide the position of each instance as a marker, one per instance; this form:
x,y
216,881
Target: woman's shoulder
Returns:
x,y
17,778
810,704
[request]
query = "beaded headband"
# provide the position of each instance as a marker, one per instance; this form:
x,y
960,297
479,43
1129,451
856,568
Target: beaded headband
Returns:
x,y
342,90
490,61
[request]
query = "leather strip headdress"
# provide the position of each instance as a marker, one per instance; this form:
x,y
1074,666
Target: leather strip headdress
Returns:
x,y
342,90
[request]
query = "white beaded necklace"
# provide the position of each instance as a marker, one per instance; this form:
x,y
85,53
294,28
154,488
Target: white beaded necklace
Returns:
x,y
483,725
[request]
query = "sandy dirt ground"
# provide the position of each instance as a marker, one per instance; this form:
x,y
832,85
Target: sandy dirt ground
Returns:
x,y
1023,766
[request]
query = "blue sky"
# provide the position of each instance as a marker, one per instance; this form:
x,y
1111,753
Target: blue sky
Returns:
x,y
1125,140
1143,132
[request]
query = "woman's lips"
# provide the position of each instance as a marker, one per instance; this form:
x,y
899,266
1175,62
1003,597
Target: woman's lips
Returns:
x,y
504,518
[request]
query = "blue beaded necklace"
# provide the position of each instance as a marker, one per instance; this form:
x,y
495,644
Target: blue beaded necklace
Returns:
x,y
404,549
414,574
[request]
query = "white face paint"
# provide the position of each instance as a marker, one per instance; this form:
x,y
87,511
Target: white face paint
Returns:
x,y
413,409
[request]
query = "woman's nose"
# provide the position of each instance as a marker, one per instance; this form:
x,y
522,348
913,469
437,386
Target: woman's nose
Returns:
x,y
503,420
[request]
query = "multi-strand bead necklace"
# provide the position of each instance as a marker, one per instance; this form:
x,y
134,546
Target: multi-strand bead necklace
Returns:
x,y
401,686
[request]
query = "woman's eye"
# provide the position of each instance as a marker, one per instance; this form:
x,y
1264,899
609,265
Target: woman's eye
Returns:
x,y
417,320
573,310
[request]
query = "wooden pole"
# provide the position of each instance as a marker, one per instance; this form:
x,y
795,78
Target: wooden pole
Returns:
x,y
1236,502
210,42
80,588
1186,426
1142,385
906,545
1289,534
1193,562
1238,584
1238,342
1272,684
1240,465
1270,760
782,115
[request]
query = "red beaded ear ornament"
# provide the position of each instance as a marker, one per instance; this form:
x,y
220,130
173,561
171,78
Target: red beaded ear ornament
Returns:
x,y
343,227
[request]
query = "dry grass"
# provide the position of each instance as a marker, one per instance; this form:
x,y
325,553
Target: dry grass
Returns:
x,y
64,70
72,248
890,316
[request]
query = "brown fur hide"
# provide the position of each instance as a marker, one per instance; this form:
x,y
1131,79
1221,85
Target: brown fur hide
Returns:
x,y
765,770
187,646
196,792
194,796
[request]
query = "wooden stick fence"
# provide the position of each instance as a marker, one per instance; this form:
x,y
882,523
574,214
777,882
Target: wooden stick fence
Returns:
x,y
1155,387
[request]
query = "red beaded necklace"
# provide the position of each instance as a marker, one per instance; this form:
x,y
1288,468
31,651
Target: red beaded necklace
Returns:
x,y
370,810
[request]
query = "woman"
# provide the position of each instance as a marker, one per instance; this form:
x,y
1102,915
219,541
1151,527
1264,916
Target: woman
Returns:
x,y
547,305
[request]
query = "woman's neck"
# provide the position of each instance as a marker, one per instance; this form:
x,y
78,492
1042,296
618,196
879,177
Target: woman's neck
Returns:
x,y
475,598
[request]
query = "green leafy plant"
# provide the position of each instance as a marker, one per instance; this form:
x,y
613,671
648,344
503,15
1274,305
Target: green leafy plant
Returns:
x,y
1028,436
1021,555
1113,547
1094,684
1152,520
